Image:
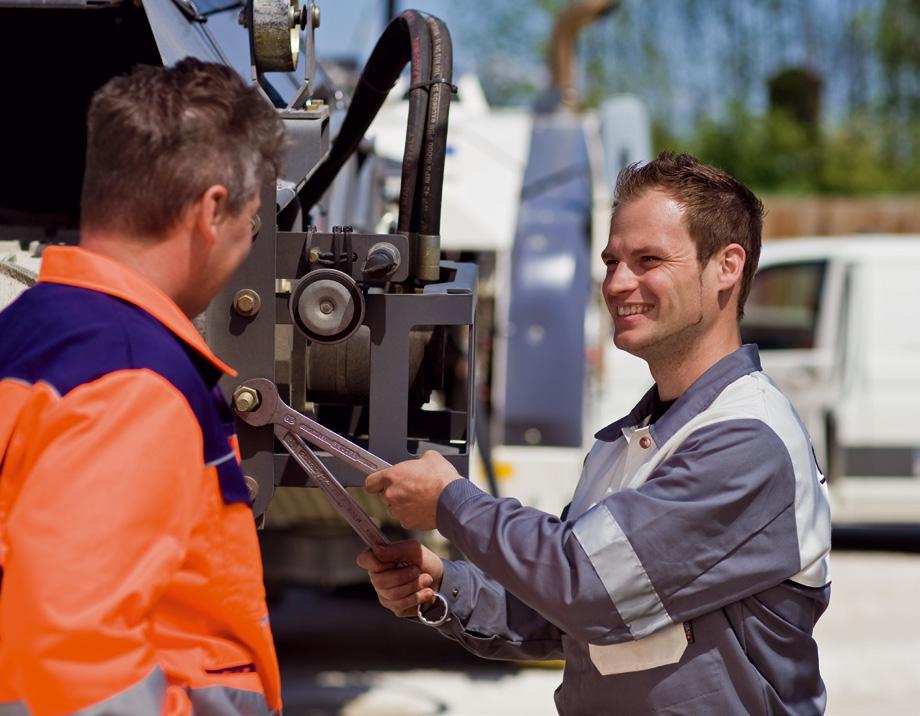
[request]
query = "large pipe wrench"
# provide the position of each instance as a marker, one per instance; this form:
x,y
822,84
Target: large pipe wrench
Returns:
x,y
257,403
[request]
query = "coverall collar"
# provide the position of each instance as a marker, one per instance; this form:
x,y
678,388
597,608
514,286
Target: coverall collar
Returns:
x,y
694,400
75,266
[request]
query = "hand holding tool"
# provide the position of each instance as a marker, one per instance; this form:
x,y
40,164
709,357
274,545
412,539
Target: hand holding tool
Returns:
x,y
257,403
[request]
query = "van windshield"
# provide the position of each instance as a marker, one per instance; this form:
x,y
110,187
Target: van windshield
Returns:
x,y
781,312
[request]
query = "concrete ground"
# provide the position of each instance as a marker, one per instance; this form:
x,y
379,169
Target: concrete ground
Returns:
x,y
870,637
343,655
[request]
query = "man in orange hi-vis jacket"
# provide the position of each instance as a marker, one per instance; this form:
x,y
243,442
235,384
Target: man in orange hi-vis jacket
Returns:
x,y
131,576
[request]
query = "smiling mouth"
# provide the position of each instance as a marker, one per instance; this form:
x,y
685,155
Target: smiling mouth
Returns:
x,y
633,309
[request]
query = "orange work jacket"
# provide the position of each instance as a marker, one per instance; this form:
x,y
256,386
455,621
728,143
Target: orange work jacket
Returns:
x,y
131,575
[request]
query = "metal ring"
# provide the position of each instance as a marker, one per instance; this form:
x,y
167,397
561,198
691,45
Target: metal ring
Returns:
x,y
443,619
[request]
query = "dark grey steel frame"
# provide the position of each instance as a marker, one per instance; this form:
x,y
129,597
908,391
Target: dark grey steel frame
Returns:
x,y
248,344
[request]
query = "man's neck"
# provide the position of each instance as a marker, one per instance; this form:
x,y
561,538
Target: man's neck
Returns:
x,y
677,371
158,259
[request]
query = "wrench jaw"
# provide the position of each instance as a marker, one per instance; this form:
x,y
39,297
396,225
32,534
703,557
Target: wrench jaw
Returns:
x,y
290,428
268,403
258,464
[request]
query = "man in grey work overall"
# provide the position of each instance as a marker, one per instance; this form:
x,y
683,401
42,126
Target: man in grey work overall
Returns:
x,y
688,572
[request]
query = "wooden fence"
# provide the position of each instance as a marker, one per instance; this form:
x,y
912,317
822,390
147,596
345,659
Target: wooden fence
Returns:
x,y
829,216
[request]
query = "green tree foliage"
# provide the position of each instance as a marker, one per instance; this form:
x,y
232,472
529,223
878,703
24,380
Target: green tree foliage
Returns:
x,y
777,152
703,68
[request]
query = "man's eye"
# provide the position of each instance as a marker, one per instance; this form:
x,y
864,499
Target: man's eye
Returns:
x,y
611,262
650,259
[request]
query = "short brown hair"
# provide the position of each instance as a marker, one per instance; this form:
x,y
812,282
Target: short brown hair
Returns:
x,y
158,137
719,209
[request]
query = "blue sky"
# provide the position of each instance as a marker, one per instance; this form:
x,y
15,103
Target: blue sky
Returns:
x,y
351,27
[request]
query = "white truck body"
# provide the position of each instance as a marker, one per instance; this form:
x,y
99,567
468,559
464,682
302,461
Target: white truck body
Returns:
x,y
836,319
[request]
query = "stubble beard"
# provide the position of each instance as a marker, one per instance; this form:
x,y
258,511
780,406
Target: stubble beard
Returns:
x,y
673,347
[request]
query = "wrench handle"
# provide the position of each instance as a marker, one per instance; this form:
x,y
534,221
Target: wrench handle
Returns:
x,y
330,441
341,500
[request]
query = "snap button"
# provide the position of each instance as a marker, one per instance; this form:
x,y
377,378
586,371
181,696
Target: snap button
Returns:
x,y
645,443
454,592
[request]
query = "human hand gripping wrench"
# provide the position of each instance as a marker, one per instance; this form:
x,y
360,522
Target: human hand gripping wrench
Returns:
x,y
262,405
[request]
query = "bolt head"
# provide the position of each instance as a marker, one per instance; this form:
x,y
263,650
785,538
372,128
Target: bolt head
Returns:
x,y
245,399
246,302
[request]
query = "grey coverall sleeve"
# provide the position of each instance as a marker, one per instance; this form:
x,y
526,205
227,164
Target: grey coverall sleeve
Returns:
x,y
713,523
532,556
492,623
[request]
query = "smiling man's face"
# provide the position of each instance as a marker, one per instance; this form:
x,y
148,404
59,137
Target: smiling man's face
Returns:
x,y
660,298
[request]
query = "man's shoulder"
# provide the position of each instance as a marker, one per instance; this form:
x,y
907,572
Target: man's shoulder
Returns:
x,y
68,336
751,411
754,397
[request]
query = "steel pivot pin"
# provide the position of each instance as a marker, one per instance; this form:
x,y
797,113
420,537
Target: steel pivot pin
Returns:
x,y
252,486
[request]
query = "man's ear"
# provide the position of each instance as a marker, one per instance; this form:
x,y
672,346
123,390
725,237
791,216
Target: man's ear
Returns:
x,y
210,210
730,266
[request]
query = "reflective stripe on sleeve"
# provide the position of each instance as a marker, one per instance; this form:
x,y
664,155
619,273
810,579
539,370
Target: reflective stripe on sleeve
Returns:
x,y
621,572
214,463
145,697
226,701
13,708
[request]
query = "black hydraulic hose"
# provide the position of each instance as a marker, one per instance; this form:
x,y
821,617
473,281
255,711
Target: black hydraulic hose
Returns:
x,y
415,128
431,177
484,443
406,38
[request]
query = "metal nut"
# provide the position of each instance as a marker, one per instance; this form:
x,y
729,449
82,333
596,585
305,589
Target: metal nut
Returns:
x,y
253,486
246,399
247,302
316,16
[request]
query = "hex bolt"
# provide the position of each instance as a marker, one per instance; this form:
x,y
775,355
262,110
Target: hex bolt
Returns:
x,y
246,302
246,399
316,16
253,486
326,307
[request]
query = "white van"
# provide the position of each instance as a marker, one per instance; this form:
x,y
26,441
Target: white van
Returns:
x,y
838,325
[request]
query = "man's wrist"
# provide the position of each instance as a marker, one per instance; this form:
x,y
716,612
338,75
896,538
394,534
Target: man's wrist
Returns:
x,y
454,494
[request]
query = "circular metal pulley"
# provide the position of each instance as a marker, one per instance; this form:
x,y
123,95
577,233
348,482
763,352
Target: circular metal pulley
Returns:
x,y
327,306
276,34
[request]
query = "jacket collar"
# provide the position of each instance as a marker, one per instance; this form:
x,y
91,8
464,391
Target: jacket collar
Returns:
x,y
697,398
74,266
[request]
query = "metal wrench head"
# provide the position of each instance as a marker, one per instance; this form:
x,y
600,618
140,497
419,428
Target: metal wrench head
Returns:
x,y
269,402
272,409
